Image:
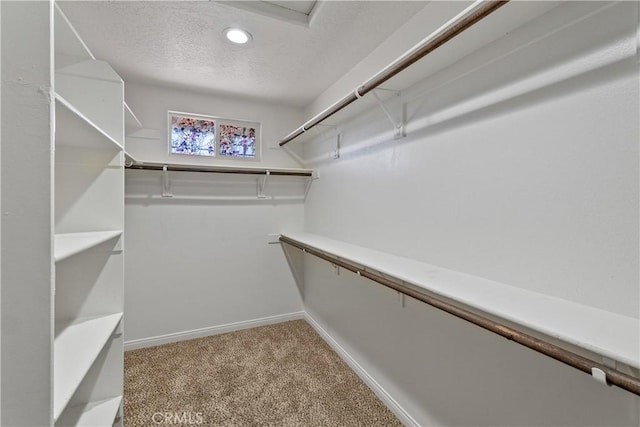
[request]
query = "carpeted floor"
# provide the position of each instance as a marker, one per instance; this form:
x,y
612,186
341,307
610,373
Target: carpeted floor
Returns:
x,y
278,375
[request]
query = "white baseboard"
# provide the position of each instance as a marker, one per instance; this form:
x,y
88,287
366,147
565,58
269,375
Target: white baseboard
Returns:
x,y
213,330
379,391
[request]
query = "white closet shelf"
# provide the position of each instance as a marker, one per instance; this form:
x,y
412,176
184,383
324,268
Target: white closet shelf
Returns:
x,y
605,333
93,414
76,347
191,167
68,244
74,129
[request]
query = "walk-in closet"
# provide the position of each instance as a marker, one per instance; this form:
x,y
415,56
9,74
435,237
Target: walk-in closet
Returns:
x,y
320,213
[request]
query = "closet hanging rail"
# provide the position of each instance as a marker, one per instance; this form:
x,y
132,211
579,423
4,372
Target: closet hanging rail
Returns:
x,y
466,19
611,376
218,169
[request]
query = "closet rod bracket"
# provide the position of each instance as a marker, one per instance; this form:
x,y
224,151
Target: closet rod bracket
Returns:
x,y
166,183
398,125
402,300
336,269
314,175
335,152
336,138
262,185
599,375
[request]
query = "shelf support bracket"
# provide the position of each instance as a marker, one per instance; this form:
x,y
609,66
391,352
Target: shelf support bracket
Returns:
x,y
336,269
336,137
398,126
401,299
314,175
166,183
335,151
262,185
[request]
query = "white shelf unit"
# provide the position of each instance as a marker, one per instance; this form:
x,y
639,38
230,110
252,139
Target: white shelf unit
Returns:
x,y
597,331
88,242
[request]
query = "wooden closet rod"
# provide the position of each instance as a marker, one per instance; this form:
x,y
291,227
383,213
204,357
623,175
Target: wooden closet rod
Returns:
x,y
470,16
216,169
613,376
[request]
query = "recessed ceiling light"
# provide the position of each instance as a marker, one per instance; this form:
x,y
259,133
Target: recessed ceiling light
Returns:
x,y
237,35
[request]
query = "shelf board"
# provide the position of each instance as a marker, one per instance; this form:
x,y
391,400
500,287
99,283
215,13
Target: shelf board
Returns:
x,y
74,129
93,414
68,244
605,333
76,346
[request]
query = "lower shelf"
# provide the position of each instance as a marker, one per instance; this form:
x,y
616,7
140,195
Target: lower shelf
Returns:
x,y
93,414
76,347
605,333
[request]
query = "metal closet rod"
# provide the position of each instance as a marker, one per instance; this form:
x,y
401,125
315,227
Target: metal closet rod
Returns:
x,y
613,376
470,16
214,169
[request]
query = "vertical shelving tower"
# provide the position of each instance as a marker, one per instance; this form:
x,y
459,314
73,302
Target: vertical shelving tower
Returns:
x,y
88,200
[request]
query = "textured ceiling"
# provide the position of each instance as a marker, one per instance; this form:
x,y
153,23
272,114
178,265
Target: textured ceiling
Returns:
x,y
180,44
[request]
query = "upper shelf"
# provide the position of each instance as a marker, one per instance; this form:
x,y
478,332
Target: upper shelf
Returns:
x,y
74,129
602,332
96,91
248,170
81,79
446,44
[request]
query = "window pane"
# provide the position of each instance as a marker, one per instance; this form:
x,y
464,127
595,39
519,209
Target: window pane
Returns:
x,y
192,135
237,141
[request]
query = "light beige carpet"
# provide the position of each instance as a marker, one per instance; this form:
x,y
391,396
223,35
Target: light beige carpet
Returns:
x,y
278,375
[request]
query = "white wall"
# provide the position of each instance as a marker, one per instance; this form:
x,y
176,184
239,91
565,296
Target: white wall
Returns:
x,y
202,260
26,215
151,104
521,166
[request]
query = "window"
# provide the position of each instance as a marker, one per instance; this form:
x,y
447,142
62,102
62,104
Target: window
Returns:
x,y
237,141
200,135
